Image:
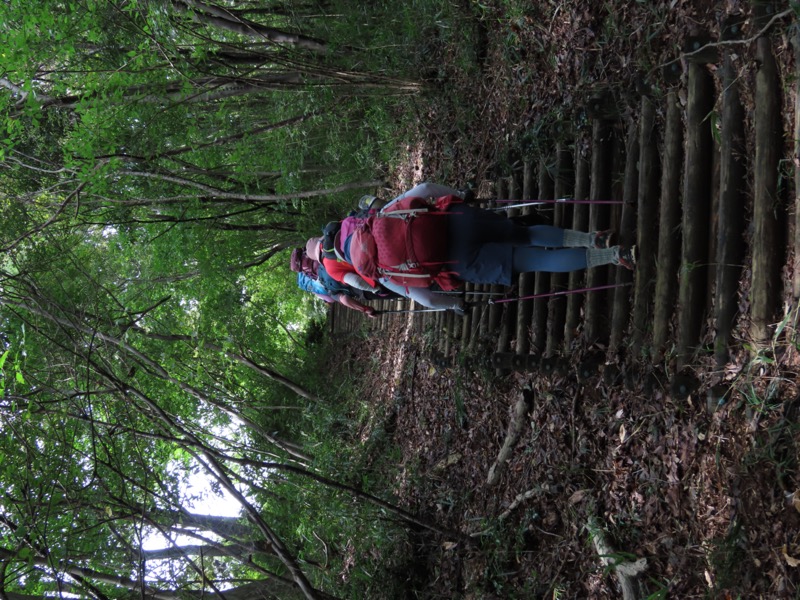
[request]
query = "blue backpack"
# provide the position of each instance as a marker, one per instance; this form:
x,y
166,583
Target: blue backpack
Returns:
x,y
305,283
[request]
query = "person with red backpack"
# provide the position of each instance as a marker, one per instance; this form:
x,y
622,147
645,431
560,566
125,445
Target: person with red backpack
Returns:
x,y
345,272
415,243
311,277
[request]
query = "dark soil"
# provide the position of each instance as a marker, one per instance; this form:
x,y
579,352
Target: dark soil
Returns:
x,y
704,486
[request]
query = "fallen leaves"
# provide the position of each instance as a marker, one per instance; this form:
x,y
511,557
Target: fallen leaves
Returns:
x,y
671,476
791,560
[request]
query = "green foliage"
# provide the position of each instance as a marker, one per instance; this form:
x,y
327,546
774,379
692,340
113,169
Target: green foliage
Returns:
x,y
726,556
153,164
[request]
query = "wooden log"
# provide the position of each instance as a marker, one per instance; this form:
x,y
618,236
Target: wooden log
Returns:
x,y
496,310
542,280
763,12
619,148
480,320
503,360
766,243
732,27
669,235
671,72
480,313
525,362
557,307
731,211
580,222
373,323
602,106
564,183
332,318
595,311
696,207
438,330
713,225
646,226
509,315
526,280
466,320
796,277
449,333
420,325
620,309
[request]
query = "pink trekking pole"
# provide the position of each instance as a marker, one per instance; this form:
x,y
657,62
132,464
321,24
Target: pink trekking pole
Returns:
x,y
598,288
554,201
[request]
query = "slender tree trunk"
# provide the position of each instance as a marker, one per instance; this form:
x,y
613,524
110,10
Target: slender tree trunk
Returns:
x,y
223,18
395,510
257,590
221,195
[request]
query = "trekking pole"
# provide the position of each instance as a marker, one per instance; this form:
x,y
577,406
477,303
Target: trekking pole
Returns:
x,y
560,293
555,201
549,202
457,293
408,310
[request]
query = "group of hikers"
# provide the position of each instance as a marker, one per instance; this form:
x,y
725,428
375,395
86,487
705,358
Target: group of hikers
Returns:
x,y
426,243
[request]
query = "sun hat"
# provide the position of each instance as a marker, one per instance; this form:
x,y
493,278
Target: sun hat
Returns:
x,y
312,248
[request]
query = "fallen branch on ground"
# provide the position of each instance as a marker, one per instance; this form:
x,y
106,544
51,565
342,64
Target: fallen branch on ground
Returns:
x,y
723,43
514,430
517,501
626,571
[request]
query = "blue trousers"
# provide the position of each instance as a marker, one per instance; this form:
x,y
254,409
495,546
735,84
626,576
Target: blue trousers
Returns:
x,y
486,247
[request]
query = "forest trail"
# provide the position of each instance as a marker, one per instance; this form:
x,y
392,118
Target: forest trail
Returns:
x,y
697,191
703,176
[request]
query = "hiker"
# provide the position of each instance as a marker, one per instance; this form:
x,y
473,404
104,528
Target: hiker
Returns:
x,y
311,277
425,296
449,242
479,226
299,262
304,282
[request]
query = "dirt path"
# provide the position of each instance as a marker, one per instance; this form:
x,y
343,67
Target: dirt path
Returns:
x,y
665,411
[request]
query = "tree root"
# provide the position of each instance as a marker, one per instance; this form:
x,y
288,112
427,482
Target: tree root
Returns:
x,y
521,408
626,571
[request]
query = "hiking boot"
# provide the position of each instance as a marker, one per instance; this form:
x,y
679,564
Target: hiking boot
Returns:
x,y
462,309
467,195
602,239
627,257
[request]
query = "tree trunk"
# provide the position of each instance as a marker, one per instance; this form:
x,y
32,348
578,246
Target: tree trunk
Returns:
x,y
222,18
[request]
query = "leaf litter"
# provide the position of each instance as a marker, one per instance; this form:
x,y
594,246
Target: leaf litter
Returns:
x,y
704,487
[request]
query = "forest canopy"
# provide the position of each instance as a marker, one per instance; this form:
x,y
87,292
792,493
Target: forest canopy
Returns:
x,y
159,158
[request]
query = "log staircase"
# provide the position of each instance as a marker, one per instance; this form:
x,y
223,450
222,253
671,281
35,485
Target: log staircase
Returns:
x,y
702,185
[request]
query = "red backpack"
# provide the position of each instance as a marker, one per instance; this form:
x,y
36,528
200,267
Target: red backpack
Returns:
x,y
406,243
